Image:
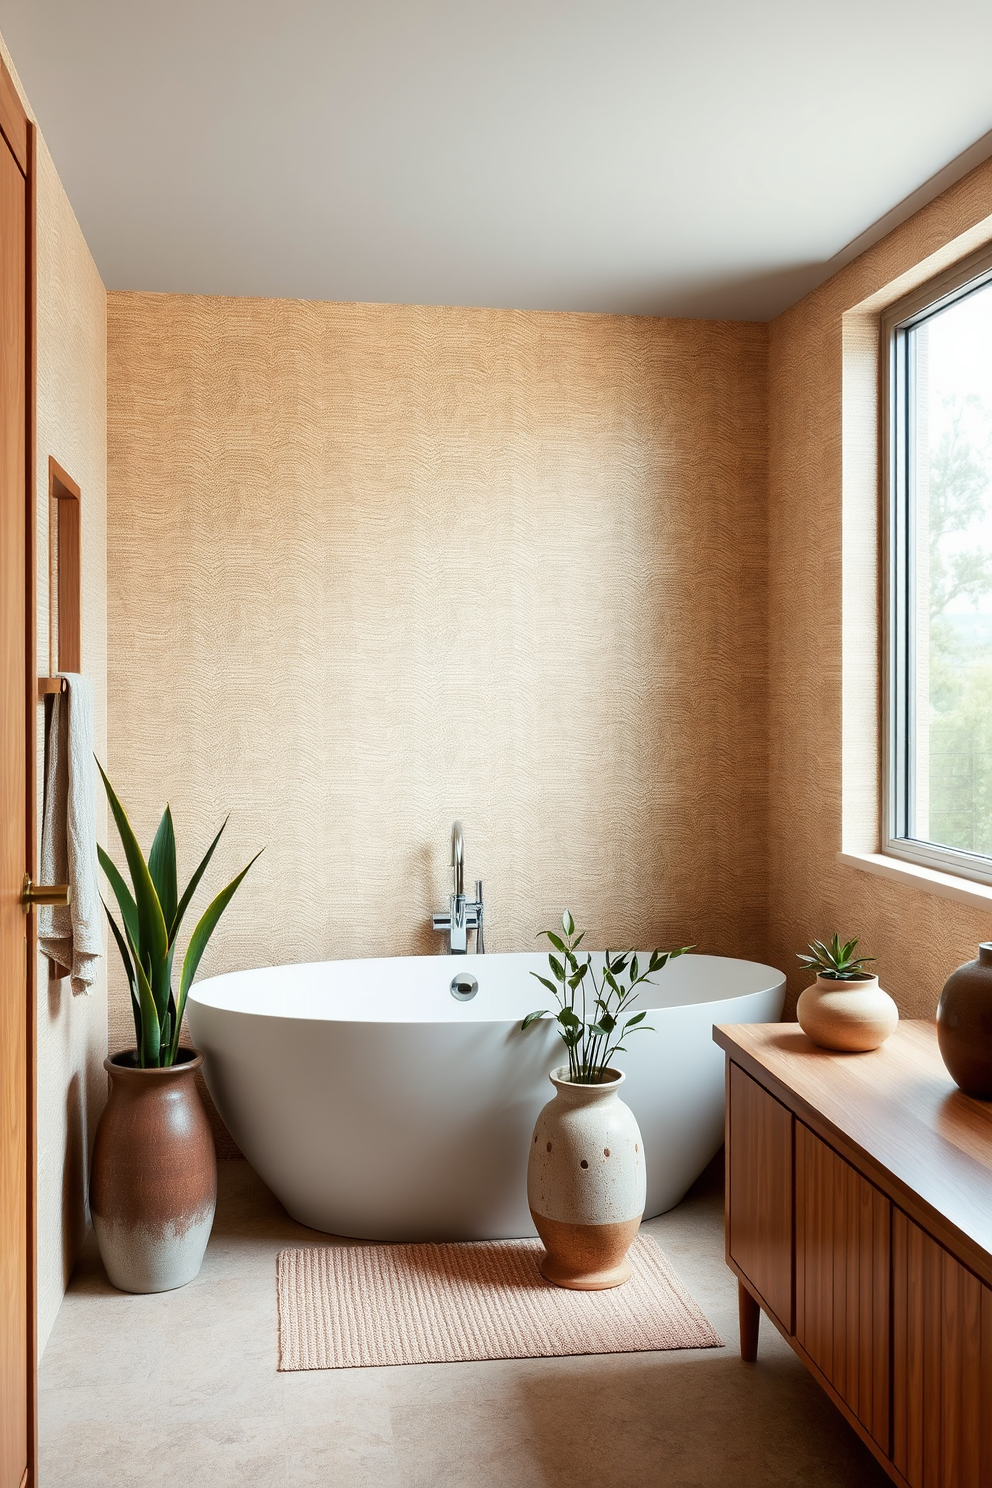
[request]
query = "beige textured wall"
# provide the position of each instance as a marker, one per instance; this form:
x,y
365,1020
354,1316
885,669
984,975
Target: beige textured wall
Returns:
x,y
824,615
71,414
376,567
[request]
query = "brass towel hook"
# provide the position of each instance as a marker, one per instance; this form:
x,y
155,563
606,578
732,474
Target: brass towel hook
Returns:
x,y
32,893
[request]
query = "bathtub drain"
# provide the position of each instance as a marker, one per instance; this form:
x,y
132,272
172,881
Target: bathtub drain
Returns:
x,y
464,987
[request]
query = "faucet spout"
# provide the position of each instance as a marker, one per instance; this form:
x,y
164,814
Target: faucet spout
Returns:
x,y
458,858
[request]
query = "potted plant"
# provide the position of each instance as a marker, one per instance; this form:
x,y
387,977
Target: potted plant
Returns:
x,y
845,1008
586,1175
153,1186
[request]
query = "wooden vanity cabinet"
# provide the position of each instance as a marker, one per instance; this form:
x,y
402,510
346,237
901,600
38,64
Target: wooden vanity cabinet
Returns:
x,y
759,1175
941,1364
842,1228
859,1220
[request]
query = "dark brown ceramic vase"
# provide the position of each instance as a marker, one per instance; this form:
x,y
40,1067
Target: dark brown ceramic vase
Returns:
x,y
964,1025
153,1188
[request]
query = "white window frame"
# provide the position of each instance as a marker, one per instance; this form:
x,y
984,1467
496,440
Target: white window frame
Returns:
x,y
898,589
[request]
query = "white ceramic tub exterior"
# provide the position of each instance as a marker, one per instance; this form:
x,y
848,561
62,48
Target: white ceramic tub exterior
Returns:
x,y
377,1106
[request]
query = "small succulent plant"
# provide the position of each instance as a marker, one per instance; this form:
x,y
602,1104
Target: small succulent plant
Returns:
x,y
837,962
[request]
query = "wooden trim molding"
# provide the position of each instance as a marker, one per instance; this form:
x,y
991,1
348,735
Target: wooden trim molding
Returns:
x,y
65,564
61,485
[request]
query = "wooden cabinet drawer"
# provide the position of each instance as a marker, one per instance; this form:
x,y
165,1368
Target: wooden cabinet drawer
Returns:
x,y
941,1364
842,1279
759,1192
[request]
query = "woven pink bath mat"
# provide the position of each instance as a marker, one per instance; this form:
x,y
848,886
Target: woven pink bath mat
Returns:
x,y
349,1306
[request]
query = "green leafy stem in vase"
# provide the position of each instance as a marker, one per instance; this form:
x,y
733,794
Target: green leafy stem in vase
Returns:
x,y
591,1013
151,916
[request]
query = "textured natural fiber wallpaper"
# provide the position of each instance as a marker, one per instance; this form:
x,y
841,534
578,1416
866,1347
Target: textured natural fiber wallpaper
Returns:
x,y
824,616
374,567
71,425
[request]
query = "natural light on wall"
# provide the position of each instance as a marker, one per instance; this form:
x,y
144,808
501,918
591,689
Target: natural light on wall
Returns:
x,y
939,764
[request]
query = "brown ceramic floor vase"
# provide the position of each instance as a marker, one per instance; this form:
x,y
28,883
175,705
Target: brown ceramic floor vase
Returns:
x,y
153,1188
964,1025
586,1183
848,1015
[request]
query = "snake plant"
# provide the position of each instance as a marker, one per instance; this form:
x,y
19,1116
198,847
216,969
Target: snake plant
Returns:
x,y
152,915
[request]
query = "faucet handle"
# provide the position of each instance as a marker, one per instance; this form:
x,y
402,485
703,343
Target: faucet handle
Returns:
x,y
480,943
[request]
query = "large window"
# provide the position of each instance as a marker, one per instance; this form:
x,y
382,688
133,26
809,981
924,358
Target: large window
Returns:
x,y
938,402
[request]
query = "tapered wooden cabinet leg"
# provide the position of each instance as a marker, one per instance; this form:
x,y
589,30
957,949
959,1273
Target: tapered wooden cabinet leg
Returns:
x,y
750,1318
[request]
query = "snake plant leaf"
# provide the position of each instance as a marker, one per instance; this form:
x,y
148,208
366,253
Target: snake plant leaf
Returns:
x,y
193,884
152,936
150,1046
198,944
123,895
129,968
162,866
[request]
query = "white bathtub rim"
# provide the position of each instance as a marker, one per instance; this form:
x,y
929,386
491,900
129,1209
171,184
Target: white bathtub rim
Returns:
x,y
211,990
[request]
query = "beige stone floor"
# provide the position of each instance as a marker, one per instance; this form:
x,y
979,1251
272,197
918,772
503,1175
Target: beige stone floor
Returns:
x,y
181,1388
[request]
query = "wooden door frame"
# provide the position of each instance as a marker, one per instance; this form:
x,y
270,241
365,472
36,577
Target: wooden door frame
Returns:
x,y
19,136
31,715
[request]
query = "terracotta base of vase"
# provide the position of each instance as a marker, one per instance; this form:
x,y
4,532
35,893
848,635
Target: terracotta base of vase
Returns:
x,y
586,1257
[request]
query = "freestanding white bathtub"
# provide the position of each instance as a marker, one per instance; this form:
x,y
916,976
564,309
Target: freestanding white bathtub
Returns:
x,y
377,1106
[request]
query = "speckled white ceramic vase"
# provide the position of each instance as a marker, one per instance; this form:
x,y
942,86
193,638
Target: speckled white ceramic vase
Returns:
x,y
850,1016
586,1183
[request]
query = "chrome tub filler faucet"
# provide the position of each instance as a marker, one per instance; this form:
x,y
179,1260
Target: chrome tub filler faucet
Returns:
x,y
463,914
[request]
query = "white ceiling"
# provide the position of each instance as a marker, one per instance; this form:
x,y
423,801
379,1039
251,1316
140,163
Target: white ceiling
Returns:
x,y
658,157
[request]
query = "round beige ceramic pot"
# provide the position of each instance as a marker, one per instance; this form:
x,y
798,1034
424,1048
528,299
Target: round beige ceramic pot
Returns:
x,y
153,1188
852,1016
586,1183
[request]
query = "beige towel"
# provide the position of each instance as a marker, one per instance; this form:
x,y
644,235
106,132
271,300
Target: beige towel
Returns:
x,y
71,936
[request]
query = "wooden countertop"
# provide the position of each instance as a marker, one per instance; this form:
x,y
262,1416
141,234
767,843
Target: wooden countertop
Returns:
x,y
896,1114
